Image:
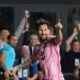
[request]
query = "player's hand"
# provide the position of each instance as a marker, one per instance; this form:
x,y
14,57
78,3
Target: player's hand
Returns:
x,y
58,24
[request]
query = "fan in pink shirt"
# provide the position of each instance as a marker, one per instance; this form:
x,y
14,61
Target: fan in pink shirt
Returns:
x,y
48,51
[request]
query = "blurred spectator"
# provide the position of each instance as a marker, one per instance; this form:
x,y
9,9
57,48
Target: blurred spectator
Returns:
x,y
72,54
28,30
24,31
34,39
7,56
28,72
4,33
71,38
71,57
3,37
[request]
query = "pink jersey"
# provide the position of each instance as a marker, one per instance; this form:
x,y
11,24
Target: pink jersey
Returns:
x,y
51,63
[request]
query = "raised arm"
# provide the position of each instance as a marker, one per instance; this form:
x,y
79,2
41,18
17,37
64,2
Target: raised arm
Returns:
x,y
59,36
24,24
20,28
70,39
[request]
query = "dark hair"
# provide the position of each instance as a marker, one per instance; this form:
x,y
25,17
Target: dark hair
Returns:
x,y
43,21
75,40
9,37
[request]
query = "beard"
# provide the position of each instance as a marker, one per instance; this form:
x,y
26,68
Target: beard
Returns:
x,y
42,40
43,37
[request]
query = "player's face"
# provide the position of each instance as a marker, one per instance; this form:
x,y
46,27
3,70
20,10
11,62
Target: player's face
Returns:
x,y
44,31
